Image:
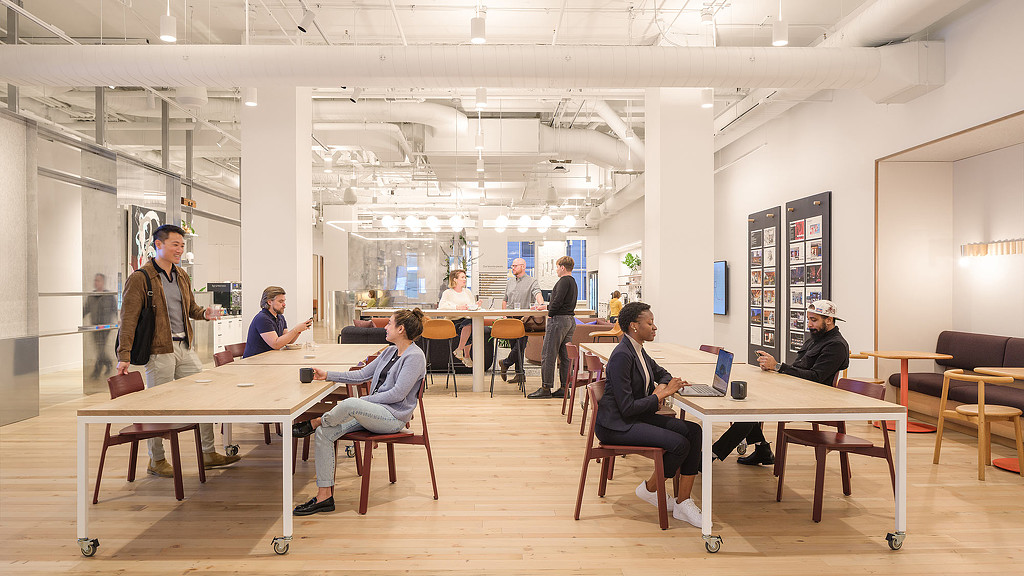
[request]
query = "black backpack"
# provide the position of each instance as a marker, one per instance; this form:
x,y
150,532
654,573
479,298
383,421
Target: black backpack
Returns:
x,y
144,329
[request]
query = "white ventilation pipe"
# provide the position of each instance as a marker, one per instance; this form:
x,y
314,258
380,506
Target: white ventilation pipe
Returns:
x,y
618,201
602,109
874,24
442,66
588,145
444,120
364,136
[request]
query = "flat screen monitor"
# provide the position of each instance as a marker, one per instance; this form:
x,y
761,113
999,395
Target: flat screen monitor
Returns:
x,y
721,287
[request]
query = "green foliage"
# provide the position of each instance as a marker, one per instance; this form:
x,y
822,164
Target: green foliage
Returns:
x,y
631,261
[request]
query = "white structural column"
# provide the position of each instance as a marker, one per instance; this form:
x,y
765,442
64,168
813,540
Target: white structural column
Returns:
x,y
277,231
339,221
679,216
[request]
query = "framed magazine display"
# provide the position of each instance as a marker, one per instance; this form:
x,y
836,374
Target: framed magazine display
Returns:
x,y
765,237
808,263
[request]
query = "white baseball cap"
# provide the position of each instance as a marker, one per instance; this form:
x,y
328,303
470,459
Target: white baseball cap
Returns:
x,y
824,308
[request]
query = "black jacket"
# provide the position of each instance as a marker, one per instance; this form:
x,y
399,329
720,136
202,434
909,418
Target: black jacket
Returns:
x,y
820,358
627,398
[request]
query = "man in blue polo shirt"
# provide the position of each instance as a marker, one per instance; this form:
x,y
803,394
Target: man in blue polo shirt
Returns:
x,y
269,329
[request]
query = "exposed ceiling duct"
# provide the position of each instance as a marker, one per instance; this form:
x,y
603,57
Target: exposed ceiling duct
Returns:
x,y
623,197
636,146
443,66
587,145
442,119
879,23
367,135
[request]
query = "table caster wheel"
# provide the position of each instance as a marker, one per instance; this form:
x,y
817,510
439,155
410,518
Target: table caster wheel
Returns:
x,y
88,546
281,544
231,450
895,539
350,451
742,448
713,543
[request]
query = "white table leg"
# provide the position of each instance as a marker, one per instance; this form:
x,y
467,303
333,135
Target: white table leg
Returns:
x,y
83,479
229,448
901,474
281,543
478,353
705,478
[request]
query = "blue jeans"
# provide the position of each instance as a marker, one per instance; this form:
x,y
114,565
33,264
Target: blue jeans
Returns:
x,y
350,414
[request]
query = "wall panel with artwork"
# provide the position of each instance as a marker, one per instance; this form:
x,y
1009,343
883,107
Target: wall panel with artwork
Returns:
x,y
764,304
808,262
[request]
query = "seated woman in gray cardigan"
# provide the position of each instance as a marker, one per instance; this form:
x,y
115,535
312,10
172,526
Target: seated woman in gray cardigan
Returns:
x,y
395,380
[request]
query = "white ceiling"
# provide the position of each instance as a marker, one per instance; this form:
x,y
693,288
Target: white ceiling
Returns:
x,y
377,161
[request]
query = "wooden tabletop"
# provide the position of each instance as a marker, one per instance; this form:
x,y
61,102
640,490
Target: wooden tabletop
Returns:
x,y
661,352
483,312
1012,372
771,393
276,390
326,355
906,355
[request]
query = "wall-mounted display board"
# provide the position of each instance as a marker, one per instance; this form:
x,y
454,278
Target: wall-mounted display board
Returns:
x,y
765,237
808,271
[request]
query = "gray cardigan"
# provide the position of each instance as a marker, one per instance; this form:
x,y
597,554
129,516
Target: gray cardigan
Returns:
x,y
398,392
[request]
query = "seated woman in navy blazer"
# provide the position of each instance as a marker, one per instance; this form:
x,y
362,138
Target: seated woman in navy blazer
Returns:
x,y
627,414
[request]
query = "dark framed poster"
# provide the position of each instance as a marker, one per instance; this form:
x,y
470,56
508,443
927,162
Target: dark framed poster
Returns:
x,y
765,236
142,222
808,269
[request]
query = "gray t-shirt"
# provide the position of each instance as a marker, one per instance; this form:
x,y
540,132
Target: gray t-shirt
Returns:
x,y
172,298
521,292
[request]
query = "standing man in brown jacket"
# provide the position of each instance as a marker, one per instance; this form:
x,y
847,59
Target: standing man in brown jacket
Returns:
x,y
172,354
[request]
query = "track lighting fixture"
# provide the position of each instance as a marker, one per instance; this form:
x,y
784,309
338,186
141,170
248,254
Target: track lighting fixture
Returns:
x,y
478,27
168,26
307,21
249,97
481,98
707,97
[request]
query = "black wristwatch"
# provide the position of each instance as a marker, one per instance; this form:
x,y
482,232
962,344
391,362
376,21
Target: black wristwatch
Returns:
x,y
778,367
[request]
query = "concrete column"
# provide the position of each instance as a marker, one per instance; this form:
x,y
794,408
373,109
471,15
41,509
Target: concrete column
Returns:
x,y
339,221
277,229
679,216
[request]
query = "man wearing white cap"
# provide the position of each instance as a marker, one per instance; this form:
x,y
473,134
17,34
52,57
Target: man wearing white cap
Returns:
x,y
820,359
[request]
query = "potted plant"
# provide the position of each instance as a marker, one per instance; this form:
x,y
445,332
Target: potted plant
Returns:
x,y
632,262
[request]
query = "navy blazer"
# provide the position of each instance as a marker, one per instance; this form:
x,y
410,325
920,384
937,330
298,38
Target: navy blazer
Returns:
x,y
627,397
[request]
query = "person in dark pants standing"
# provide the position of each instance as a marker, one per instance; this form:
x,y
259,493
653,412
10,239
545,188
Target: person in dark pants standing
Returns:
x,y
628,412
561,324
521,291
820,359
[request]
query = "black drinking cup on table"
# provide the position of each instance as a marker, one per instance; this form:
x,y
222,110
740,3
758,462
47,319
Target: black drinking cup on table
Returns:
x,y
305,375
739,390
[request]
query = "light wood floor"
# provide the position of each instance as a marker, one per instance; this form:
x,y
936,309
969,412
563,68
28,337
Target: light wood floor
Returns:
x,y
507,471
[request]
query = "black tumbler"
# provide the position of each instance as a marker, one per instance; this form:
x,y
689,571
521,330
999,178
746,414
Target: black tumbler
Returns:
x,y
739,389
305,375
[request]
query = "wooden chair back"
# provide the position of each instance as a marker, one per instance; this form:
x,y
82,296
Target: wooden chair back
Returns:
x,y
710,349
876,391
121,384
222,358
594,365
236,349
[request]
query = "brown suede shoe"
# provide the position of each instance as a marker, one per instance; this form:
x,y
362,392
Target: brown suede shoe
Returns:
x,y
213,460
160,468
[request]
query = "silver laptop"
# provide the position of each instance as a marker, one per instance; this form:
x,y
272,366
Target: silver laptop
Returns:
x,y
720,383
487,303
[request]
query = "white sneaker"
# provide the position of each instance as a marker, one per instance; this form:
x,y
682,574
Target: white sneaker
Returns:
x,y
687,511
652,497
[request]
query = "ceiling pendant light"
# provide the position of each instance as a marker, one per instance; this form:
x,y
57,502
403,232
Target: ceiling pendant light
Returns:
x,y
706,17
569,221
307,21
456,222
707,97
780,30
480,164
433,223
479,133
501,223
524,223
481,98
350,197
552,196
223,141
478,26
249,97
544,223
168,26
413,223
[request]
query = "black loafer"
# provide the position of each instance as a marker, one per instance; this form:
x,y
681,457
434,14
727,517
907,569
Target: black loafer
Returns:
x,y
560,393
312,507
302,429
541,392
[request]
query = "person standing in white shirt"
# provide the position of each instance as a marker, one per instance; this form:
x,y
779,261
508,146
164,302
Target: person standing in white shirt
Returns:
x,y
458,297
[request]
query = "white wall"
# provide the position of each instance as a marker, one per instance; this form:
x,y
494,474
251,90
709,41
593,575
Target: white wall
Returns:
x,y
60,270
833,146
625,228
988,204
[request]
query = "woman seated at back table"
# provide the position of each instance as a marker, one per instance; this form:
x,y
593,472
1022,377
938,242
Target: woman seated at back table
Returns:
x,y
395,378
627,414
458,297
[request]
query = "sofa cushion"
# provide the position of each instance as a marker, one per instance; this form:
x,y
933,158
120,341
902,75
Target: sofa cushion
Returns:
x,y
994,394
927,383
380,322
357,335
970,350
362,323
1014,355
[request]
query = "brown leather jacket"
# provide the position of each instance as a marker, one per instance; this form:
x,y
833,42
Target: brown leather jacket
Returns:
x,y
135,298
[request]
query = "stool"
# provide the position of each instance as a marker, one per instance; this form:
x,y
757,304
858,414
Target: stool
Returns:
x,y
615,334
441,330
505,329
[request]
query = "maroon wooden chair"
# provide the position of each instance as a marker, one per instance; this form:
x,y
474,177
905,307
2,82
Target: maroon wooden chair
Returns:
x,y
227,357
120,385
236,349
607,454
595,369
709,348
369,440
825,441
574,380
